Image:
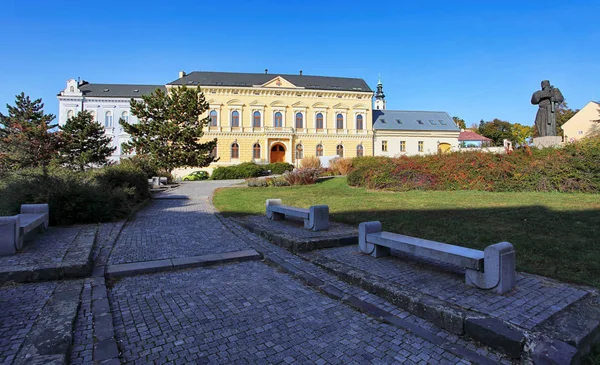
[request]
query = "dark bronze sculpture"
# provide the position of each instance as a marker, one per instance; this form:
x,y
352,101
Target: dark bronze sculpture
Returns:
x,y
548,99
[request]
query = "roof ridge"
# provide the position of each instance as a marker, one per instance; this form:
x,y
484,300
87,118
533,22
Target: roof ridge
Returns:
x,y
273,74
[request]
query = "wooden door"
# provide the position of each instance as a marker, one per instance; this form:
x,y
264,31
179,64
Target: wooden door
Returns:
x,y
277,153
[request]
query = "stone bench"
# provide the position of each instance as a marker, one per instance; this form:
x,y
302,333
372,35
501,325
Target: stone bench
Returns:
x,y
316,218
490,269
14,228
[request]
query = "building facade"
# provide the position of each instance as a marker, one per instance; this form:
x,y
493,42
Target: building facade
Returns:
x,y
583,123
267,118
108,103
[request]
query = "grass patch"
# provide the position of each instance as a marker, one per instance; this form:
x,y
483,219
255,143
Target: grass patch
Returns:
x,y
555,234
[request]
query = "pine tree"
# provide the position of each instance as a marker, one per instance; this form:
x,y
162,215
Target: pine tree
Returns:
x,y
26,136
83,143
169,128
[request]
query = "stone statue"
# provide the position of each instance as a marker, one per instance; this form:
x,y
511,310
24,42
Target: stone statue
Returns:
x,y
548,99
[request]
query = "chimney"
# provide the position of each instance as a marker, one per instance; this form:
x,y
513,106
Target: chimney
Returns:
x,y
266,71
300,72
181,74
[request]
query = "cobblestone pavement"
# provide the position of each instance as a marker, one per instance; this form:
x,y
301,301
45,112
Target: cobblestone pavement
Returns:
x,y
48,248
534,299
174,228
20,306
249,313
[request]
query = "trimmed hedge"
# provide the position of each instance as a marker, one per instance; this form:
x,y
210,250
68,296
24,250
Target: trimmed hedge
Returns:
x,y
573,168
92,196
248,170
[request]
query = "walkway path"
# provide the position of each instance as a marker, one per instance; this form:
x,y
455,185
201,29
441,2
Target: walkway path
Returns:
x,y
247,312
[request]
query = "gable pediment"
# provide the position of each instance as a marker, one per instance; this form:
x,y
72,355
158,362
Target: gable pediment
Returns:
x,y
320,105
235,102
299,104
340,106
278,103
257,103
360,106
279,82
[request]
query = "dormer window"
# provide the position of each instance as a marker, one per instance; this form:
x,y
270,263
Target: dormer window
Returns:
x,y
432,122
105,90
442,122
420,121
398,121
383,121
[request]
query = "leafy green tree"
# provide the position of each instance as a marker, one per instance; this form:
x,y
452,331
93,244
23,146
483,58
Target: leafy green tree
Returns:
x,y
27,138
169,128
521,134
460,122
84,143
497,130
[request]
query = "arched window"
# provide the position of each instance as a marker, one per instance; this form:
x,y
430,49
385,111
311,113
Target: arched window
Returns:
x,y
235,150
299,121
319,122
339,121
235,119
72,89
278,121
256,151
108,123
359,150
213,118
256,120
339,150
319,150
359,122
299,151
125,117
70,114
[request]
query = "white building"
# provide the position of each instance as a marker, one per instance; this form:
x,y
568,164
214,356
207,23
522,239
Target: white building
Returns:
x,y
402,132
107,102
583,123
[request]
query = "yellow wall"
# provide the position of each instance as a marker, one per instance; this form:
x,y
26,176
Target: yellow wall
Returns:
x,y
582,124
289,100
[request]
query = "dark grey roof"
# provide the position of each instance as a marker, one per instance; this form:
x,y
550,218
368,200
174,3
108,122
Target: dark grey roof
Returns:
x,y
249,79
409,120
118,90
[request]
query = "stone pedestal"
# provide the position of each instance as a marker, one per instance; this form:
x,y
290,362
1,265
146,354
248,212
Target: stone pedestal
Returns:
x,y
548,141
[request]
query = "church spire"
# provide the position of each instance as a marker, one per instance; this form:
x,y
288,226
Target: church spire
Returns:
x,y
379,96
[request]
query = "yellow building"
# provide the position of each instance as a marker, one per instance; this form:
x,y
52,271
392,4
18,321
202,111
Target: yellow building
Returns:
x,y
283,118
583,123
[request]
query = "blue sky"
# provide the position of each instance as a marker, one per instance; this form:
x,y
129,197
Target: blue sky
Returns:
x,y
474,59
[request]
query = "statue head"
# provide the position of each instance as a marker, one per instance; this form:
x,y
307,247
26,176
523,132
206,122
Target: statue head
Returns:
x,y
545,84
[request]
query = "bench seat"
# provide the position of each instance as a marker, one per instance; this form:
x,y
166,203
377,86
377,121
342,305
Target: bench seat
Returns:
x,y
316,218
490,269
29,222
456,255
291,211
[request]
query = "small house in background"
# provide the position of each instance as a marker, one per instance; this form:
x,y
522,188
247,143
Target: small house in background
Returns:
x,y
470,139
583,123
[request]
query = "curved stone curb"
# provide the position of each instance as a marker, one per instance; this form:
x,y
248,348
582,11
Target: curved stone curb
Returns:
x,y
146,267
49,340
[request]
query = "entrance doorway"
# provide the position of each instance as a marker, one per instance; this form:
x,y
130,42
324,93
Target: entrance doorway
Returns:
x,y
444,147
277,153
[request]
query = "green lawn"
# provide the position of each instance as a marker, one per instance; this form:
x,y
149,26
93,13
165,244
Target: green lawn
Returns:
x,y
556,235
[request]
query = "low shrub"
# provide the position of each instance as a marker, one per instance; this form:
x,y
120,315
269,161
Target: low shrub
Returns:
x,y
92,196
303,176
572,168
257,183
279,167
142,163
242,171
311,162
269,181
340,165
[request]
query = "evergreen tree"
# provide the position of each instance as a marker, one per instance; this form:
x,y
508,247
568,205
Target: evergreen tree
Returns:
x,y
83,142
26,136
169,128
460,123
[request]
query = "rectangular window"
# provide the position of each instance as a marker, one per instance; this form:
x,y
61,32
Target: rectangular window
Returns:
x,y
398,121
432,122
402,146
419,121
421,148
442,122
384,146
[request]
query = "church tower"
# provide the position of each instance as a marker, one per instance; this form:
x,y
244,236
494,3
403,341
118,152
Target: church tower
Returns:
x,y
379,96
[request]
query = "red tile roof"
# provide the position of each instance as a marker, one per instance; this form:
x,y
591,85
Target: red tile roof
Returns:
x,y
471,136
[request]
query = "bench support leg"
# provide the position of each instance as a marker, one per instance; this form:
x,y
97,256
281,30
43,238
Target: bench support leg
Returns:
x,y
269,212
364,229
37,209
318,218
10,235
500,273
380,251
277,216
